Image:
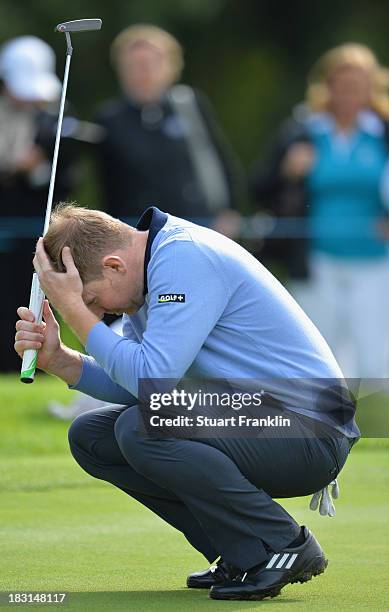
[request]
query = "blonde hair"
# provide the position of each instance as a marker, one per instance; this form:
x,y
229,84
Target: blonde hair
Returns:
x,y
90,234
348,55
152,35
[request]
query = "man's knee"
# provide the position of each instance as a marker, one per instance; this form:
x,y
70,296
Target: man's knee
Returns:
x,y
89,440
78,432
130,442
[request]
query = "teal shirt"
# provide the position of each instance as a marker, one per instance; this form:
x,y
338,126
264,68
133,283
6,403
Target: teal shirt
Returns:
x,y
344,190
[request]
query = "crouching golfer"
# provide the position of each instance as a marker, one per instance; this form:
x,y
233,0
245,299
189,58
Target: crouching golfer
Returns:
x,y
194,302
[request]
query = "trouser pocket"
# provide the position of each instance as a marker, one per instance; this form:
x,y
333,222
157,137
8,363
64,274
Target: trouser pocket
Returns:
x,y
339,448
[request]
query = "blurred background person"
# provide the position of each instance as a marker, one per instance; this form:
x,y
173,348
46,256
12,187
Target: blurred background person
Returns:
x,y
330,166
163,145
28,118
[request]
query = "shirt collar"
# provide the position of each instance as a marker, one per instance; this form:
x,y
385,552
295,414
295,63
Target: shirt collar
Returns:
x,y
367,121
153,220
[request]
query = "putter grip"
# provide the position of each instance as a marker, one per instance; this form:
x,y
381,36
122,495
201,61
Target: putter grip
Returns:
x,y
30,356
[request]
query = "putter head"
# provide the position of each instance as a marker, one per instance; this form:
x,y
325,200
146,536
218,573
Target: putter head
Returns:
x,y
79,25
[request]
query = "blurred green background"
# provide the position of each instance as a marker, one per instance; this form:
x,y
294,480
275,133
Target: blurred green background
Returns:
x,y
251,57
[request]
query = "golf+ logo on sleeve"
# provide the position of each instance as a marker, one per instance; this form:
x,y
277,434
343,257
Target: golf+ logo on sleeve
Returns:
x,y
164,298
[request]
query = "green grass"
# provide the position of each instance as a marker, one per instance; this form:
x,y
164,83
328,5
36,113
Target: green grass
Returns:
x,y
61,530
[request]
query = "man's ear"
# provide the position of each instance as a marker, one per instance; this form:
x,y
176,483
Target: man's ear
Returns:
x,y
114,263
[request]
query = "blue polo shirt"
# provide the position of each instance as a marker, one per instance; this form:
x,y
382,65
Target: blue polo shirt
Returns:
x,y
211,310
344,187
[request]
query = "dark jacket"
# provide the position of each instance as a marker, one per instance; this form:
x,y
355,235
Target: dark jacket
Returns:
x,y
283,198
145,159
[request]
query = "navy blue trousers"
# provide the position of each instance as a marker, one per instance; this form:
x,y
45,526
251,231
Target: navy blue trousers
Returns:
x,y
217,492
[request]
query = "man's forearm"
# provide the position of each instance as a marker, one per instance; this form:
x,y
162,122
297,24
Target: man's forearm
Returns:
x,y
80,319
66,364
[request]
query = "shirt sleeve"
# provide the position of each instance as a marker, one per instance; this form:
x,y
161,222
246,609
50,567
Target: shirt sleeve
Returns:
x,y
94,381
176,329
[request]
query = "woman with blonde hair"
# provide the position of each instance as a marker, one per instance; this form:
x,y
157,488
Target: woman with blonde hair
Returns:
x,y
334,159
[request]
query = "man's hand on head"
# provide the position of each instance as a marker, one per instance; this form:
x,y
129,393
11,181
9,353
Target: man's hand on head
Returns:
x,y
64,290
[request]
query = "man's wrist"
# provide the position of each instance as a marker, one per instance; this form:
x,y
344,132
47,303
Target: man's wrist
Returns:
x,y
69,307
66,364
79,318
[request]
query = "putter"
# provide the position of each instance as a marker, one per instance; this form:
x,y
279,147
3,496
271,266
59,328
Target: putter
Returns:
x,y
37,296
